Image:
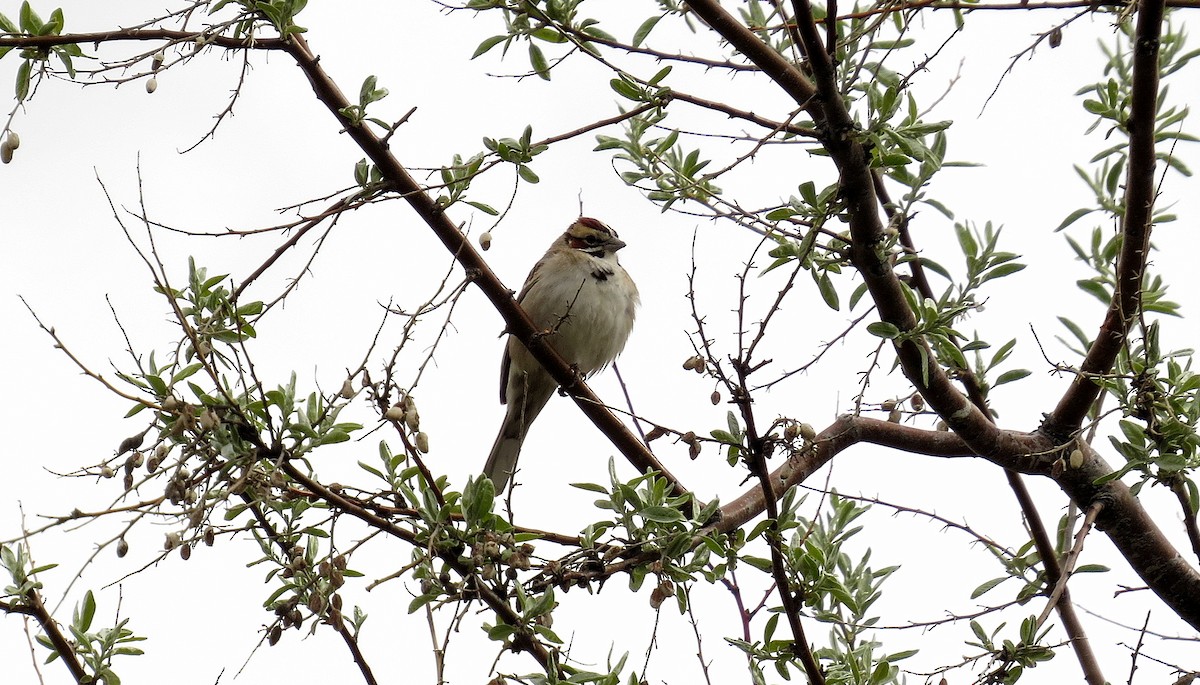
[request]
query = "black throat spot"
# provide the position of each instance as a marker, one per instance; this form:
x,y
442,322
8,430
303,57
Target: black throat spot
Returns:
x,y
601,273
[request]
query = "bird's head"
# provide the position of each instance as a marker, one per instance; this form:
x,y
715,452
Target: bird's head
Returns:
x,y
592,236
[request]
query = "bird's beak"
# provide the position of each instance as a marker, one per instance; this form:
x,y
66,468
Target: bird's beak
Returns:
x,y
615,244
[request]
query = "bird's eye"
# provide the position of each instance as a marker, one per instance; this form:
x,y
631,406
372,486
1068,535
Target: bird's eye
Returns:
x,y
592,239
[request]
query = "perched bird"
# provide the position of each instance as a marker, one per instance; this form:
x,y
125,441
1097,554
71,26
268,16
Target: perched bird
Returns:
x,y
579,294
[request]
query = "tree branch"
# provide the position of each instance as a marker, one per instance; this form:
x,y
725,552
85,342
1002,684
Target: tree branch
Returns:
x,y
517,322
1138,538
218,40
1135,230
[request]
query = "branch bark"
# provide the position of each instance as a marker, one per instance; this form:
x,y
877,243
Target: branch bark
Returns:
x,y
1135,230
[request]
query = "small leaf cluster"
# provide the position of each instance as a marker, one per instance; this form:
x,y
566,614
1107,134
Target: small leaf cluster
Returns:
x,y
892,128
1012,658
814,209
553,22
577,676
1110,100
1024,565
1160,396
281,14
897,145
1101,256
649,520
457,179
461,545
96,649
649,92
764,23
30,24
734,438
19,565
369,92
937,318
518,152
672,171
834,589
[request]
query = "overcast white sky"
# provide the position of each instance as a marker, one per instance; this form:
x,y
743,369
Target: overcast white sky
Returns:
x,y
64,253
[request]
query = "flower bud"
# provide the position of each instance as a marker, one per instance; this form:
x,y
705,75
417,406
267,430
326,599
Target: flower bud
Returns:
x,y
151,84
14,140
715,398
918,402
157,61
208,419
485,240
347,389
6,152
422,443
122,547
894,415
657,597
1076,458
394,413
316,603
807,432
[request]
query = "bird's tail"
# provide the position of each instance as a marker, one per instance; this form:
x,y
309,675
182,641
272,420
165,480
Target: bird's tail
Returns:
x,y
503,460
522,410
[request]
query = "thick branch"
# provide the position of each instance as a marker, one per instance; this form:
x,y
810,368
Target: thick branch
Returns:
x,y
1135,229
33,606
839,138
1122,518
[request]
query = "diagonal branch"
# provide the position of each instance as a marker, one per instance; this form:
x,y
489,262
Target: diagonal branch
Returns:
x,y
516,321
1135,229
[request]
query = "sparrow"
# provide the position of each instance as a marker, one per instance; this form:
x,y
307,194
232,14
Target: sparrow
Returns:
x,y
582,298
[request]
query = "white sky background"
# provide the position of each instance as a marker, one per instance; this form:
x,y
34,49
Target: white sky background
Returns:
x,y
62,250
